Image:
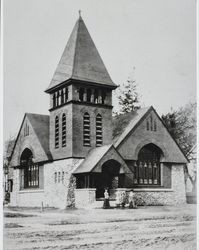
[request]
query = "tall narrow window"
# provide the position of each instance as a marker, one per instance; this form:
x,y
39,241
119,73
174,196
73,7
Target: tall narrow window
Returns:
x,y
63,130
54,100
147,125
56,132
86,130
103,96
26,130
57,98
151,122
66,95
81,94
55,177
155,126
88,95
62,97
98,130
96,96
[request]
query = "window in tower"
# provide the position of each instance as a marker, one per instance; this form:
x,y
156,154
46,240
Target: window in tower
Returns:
x,y
96,96
62,96
88,95
57,99
81,94
103,96
66,95
86,129
56,132
99,130
54,100
63,130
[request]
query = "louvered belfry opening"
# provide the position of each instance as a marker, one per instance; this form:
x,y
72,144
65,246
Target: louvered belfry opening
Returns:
x,y
86,130
99,139
63,130
56,132
147,167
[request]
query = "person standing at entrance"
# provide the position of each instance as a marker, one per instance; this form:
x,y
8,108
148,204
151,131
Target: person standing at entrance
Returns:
x,y
131,200
106,200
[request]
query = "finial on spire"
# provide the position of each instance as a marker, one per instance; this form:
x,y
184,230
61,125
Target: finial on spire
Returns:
x,y
80,13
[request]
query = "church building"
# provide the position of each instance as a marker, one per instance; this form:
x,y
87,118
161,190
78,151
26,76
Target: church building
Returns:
x,y
68,158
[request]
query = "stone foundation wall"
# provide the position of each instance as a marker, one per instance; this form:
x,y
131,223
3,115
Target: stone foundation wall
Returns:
x,y
174,196
58,187
84,197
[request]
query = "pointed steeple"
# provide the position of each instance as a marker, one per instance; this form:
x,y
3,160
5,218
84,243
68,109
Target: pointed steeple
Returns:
x,y
80,60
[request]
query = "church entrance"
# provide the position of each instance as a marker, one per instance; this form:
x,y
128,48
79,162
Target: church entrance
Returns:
x,y
110,178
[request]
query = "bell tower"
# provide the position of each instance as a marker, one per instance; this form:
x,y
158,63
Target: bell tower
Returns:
x,y
80,98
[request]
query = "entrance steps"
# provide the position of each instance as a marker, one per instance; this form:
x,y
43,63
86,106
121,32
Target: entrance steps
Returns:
x,y
99,204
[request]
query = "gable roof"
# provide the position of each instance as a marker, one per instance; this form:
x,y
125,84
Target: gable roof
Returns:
x,y
125,123
93,157
80,60
40,124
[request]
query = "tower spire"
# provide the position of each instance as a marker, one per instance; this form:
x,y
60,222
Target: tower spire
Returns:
x,y
80,13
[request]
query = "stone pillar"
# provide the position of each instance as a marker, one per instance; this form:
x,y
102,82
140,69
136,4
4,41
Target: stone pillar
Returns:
x,y
92,95
85,96
99,96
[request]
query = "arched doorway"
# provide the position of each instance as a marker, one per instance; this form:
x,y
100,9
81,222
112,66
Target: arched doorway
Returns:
x,y
147,168
109,178
29,170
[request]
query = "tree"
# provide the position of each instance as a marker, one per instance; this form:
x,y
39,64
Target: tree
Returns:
x,y
128,96
182,126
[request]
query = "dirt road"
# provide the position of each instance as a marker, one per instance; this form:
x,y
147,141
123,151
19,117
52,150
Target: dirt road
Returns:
x,y
142,228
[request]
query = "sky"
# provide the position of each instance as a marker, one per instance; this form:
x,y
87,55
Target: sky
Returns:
x,y
157,37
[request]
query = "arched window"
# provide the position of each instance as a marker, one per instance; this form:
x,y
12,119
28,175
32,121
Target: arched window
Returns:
x,y
56,132
63,130
147,125
86,129
151,122
55,177
147,167
99,130
155,125
29,170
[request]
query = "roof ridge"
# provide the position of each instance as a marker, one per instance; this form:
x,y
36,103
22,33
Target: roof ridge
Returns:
x,y
75,51
27,113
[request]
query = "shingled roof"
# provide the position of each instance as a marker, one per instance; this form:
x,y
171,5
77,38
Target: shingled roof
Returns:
x,y
80,60
124,123
93,157
40,124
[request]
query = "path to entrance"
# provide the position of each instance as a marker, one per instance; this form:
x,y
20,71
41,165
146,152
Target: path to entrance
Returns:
x,y
124,229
